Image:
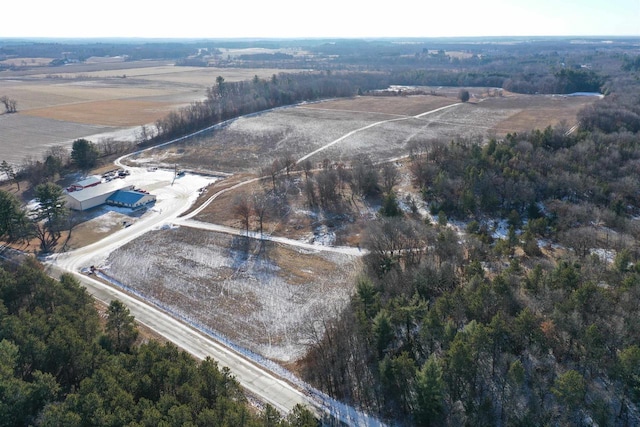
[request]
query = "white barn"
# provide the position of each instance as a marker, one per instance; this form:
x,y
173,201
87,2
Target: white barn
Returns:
x,y
93,196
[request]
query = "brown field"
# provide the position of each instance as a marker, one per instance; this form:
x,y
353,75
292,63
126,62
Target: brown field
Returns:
x,y
117,112
24,136
398,105
381,127
262,296
24,62
549,110
94,100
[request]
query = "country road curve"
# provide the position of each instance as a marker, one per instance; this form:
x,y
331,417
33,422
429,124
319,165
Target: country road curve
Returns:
x,y
175,196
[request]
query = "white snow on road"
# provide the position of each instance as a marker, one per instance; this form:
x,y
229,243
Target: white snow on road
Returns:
x,y
174,196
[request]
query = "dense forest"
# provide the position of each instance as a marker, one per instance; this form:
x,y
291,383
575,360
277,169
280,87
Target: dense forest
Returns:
x,y
62,365
455,323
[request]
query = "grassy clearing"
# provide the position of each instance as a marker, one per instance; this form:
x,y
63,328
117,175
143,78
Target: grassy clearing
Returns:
x,y
262,296
248,144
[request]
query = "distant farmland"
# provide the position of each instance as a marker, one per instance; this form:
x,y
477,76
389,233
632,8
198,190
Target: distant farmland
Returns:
x,y
57,105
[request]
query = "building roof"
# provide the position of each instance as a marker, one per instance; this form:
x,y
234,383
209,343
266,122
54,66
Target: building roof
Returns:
x,y
98,190
91,180
126,197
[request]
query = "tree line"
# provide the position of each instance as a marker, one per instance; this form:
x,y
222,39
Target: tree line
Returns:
x,y
60,365
57,161
227,100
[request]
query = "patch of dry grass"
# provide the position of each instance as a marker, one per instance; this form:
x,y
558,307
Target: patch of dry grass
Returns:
x,y
396,105
118,112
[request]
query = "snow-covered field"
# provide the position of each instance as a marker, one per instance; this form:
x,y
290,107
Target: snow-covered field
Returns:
x,y
261,295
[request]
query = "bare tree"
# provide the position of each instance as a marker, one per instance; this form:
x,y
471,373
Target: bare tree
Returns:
x,y
365,177
59,152
307,166
310,190
145,134
10,105
288,163
327,181
32,170
273,171
260,205
390,177
242,209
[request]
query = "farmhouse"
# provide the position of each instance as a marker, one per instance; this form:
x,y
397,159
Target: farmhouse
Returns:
x,y
130,198
96,195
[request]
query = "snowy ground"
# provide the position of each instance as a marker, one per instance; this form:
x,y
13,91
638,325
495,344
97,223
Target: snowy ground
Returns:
x,y
263,296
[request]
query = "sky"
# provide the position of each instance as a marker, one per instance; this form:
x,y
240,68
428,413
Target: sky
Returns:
x,y
326,18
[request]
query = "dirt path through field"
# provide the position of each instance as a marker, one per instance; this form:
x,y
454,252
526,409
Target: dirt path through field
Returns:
x,y
342,138
345,250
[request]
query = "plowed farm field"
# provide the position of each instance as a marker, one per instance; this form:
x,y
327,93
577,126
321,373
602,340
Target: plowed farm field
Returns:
x,y
97,100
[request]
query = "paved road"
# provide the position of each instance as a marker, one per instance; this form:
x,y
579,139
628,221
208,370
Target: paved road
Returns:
x,y
254,378
257,379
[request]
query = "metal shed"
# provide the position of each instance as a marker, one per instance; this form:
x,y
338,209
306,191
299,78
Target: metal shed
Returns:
x,y
93,196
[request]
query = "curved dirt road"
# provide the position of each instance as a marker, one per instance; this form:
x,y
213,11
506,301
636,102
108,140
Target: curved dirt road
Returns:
x,y
174,197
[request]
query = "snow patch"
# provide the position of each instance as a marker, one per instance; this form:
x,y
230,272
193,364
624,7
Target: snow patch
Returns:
x,y
606,255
